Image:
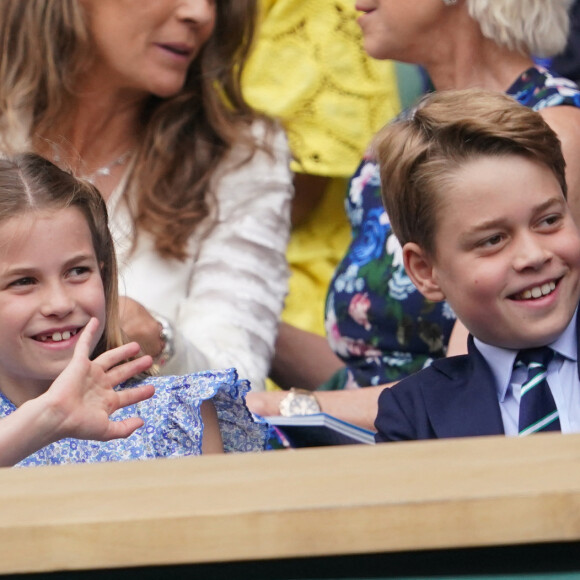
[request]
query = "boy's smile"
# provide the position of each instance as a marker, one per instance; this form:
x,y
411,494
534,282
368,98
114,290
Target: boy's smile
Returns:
x,y
507,252
50,287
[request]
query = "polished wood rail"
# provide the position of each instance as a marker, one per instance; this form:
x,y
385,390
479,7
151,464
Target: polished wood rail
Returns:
x,y
492,491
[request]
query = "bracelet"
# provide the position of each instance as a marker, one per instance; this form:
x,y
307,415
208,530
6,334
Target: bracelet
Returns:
x,y
167,335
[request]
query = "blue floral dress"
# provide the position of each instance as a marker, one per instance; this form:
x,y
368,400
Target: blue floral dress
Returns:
x,y
376,320
173,425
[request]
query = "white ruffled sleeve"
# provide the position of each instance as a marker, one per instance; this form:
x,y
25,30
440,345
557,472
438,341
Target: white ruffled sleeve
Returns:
x,y
230,315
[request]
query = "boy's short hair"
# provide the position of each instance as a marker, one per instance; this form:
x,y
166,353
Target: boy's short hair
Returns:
x,y
419,156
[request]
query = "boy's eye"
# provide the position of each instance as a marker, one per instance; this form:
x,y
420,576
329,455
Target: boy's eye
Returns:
x,y
491,241
22,282
551,219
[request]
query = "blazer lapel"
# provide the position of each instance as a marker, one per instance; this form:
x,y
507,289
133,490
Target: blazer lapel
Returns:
x,y
464,402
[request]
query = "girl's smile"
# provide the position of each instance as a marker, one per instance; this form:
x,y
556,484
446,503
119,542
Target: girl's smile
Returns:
x,y
58,336
50,287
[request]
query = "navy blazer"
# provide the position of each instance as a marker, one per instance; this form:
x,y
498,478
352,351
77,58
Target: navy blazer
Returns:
x,y
454,397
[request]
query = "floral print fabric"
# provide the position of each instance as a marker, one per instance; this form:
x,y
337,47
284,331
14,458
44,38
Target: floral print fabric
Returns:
x,y
173,425
376,320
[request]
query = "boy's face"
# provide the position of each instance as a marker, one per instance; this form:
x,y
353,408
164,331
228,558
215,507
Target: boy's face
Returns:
x,y
50,287
507,252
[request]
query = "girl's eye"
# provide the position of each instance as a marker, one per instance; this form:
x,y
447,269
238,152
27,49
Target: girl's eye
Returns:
x,y
79,272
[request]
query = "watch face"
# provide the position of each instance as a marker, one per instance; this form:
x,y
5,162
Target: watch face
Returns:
x,y
299,404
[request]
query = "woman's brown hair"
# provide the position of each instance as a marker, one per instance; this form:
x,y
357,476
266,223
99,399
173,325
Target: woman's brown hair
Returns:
x,y
46,44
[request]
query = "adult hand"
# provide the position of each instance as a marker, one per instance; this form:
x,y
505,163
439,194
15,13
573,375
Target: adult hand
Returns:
x,y
265,403
140,326
82,396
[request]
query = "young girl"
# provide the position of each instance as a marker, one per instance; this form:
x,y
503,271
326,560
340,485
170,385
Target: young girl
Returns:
x,y
57,273
79,402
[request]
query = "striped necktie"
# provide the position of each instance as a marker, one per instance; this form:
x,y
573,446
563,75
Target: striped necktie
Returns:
x,y
537,406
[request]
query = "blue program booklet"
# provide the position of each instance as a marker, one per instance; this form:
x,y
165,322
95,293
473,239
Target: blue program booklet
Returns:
x,y
318,430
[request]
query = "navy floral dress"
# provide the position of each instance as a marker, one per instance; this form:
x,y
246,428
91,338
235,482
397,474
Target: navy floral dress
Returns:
x,y
376,320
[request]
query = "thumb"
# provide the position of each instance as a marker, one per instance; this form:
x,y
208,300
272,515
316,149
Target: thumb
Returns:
x,y
83,345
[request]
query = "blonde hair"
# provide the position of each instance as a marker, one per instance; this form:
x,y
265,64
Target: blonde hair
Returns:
x,y
30,183
538,27
418,157
45,44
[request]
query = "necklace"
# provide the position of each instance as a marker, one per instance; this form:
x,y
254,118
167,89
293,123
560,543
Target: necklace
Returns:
x,y
105,170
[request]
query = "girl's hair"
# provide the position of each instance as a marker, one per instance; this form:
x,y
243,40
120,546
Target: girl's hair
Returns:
x,y
46,44
29,183
420,156
538,27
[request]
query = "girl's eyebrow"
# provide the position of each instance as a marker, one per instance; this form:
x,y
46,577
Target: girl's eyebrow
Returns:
x,y
28,270
80,258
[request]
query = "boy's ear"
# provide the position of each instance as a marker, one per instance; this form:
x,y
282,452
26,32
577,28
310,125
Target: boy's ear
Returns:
x,y
419,267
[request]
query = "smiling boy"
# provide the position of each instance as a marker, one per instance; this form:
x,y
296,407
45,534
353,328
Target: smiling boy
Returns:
x,y
475,190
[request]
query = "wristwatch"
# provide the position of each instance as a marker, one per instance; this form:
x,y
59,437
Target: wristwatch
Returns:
x,y
167,338
299,402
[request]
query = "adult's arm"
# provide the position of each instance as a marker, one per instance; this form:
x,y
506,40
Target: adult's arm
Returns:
x,y
302,359
358,406
308,193
239,277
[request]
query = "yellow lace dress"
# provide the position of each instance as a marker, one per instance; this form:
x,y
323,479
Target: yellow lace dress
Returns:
x,y
309,70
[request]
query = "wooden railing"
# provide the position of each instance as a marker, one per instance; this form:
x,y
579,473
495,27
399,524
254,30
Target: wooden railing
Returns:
x,y
479,492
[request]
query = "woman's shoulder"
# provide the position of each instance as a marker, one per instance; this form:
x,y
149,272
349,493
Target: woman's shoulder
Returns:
x,y
539,88
264,133
257,165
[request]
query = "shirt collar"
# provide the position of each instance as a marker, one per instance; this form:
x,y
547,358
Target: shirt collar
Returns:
x,y
501,360
566,344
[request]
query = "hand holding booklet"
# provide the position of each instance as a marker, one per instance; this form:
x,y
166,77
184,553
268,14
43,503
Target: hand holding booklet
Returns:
x,y
319,429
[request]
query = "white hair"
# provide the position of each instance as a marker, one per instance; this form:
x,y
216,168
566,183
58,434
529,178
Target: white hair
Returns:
x,y
533,27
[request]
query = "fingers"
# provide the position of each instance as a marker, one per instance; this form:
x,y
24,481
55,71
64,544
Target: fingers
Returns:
x,y
135,395
83,345
113,357
124,428
129,369
121,429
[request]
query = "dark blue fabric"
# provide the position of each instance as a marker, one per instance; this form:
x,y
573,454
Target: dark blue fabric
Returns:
x,y
537,403
454,397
